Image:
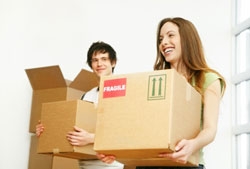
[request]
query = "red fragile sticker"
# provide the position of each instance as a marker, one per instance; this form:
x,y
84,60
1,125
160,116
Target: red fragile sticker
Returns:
x,y
114,88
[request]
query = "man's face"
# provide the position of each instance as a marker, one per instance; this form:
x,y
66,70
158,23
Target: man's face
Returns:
x,y
101,64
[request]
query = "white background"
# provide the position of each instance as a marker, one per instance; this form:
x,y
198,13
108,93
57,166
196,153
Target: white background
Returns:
x,y
35,33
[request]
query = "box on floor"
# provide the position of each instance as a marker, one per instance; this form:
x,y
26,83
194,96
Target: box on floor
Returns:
x,y
38,161
48,161
64,163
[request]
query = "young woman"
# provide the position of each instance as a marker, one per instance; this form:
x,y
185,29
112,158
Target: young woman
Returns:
x,y
179,47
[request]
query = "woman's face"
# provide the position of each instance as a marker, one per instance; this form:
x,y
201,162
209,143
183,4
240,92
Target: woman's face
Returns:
x,y
170,43
101,64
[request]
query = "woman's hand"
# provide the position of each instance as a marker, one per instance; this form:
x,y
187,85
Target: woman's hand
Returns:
x,y
106,158
39,128
183,150
80,137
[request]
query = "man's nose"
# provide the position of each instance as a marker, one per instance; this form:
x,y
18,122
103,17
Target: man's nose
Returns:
x,y
99,61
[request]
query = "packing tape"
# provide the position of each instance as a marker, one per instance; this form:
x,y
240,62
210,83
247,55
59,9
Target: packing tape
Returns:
x,y
56,150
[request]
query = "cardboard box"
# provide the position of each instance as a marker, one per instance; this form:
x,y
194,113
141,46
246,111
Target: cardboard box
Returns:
x,y
48,161
38,161
64,163
143,114
49,85
58,119
129,167
159,162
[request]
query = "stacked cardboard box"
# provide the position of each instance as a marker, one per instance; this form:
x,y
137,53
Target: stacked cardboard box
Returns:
x,y
38,161
49,86
48,161
64,163
143,114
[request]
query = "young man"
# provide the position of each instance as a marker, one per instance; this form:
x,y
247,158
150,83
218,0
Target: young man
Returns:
x,y
101,58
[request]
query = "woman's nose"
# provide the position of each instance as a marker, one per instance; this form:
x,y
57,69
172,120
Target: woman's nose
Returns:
x,y
165,41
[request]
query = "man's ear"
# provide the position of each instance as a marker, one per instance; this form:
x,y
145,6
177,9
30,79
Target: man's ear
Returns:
x,y
113,64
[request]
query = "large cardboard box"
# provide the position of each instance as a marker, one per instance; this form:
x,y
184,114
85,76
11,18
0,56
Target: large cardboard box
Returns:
x,y
58,119
143,114
49,85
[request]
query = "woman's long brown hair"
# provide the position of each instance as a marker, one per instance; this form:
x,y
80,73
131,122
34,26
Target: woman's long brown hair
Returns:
x,y
192,58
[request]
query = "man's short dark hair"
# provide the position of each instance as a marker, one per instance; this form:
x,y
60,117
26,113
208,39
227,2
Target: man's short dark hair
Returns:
x,y
101,47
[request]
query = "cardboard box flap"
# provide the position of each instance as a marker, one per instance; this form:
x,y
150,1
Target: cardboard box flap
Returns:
x,y
46,77
85,80
68,82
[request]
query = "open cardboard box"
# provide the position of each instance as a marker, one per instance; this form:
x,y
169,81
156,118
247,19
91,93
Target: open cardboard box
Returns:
x,y
58,119
49,85
142,114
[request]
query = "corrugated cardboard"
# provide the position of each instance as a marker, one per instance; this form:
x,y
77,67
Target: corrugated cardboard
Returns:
x,y
48,161
58,119
129,167
159,161
38,161
143,114
64,163
49,85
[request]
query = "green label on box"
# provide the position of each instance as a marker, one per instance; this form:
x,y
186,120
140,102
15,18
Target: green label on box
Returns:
x,y
157,87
